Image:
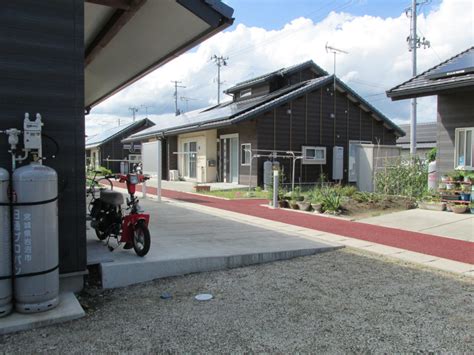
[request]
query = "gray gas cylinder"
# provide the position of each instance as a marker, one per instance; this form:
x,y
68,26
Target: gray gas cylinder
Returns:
x,y
35,238
5,247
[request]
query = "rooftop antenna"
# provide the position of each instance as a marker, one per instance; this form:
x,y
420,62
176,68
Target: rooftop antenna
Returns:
x,y
220,61
177,112
146,109
134,111
334,51
414,42
186,100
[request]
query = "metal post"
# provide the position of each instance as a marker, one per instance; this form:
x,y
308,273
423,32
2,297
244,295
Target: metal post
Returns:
x,y
144,189
159,173
413,56
275,188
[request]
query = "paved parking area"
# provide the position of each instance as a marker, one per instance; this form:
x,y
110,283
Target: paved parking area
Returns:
x,y
186,240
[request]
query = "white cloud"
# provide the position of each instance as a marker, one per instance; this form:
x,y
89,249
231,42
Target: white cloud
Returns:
x,y
378,59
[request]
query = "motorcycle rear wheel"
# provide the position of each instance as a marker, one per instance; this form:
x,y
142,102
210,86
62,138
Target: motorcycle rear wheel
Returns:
x,y
141,239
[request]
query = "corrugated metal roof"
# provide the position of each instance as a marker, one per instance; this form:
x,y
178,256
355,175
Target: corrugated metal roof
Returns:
x,y
105,136
422,85
233,112
280,72
425,133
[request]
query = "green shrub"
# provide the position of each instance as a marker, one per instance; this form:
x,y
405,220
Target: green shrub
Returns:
x,y
331,199
431,155
402,177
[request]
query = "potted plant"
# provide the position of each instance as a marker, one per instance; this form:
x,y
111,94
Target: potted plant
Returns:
x,y
466,192
304,205
444,178
432,203
458,208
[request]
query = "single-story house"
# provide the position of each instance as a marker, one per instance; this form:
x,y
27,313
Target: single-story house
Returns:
x,y
426,134
293,109
104,149
453,82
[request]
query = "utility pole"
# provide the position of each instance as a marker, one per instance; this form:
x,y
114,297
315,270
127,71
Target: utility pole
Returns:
x,y
220,61
414,42
176,86
134,111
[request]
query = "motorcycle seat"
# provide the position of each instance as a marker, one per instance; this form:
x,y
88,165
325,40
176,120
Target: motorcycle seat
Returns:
x,y
111,197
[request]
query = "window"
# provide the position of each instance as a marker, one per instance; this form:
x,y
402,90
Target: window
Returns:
x,y
245,154
246,92
314,155
464,148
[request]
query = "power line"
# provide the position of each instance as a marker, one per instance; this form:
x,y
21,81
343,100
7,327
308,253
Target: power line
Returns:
x,y
282,35
186,100
220,61
176,86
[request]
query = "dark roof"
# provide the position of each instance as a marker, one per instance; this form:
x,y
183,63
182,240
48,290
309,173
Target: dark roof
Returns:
x,y
454,73
280,72
109,134
235,111
425,133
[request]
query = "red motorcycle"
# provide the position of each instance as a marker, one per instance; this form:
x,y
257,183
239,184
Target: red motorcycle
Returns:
x,y
108,218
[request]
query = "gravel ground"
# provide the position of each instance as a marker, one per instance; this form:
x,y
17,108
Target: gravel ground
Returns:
x,y
337,302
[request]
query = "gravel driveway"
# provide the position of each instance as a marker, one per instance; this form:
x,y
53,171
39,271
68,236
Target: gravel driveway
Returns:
x,y
337,302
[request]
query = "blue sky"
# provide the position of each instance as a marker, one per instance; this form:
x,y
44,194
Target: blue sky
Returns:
x,y
274,14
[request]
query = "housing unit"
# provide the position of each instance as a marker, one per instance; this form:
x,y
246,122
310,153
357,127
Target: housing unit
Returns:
x,y
297,110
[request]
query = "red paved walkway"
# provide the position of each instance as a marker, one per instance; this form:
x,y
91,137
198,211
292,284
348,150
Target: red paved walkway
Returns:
x,y
447,248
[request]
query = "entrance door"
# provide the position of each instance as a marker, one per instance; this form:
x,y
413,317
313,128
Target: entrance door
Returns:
x,y
189,159
230,158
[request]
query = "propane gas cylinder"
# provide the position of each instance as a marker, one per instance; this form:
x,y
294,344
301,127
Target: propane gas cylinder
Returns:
x,y
5,247
35,238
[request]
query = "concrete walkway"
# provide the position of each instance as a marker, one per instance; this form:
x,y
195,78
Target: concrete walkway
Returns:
x,y
186,240
442,253
443,224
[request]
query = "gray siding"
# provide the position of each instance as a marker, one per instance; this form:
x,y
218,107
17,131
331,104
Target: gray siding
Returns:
x,y
454,111
42,70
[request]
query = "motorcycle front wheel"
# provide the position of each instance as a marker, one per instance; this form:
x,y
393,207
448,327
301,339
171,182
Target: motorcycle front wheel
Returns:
x,y
141,239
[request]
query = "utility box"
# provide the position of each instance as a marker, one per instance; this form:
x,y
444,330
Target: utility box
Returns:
x,y
337,163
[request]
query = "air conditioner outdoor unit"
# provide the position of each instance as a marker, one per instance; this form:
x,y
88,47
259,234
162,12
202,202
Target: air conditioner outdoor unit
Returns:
x,y
174,175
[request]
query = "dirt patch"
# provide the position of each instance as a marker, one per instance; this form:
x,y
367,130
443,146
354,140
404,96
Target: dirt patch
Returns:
x,y
358,209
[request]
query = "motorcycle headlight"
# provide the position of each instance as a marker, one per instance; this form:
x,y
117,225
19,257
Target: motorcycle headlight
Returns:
x,y
133,179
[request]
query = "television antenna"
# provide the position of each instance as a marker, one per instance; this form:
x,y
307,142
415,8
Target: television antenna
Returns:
x,y
335,51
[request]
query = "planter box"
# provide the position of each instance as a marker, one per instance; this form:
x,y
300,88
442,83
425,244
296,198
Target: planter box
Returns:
x,y
304,206
459,209
199,188
432,206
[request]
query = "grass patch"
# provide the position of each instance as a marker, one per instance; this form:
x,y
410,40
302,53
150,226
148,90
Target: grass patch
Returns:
x,y
236,193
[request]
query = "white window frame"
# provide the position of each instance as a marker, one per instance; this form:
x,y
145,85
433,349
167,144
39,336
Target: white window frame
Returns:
x,y
457,133
244,154
245,93
313,161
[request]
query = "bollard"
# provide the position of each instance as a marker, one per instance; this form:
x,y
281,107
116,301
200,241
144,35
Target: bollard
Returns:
x,y
275,188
